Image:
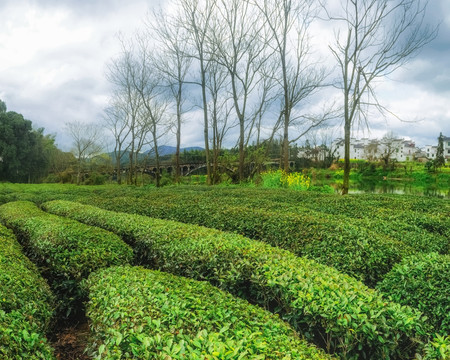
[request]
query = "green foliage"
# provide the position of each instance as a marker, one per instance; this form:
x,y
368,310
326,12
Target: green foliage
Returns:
x,y
272,179
440,159
66,250
437,349
24,152
95,178
324,189
353,250
279,178
26,304
142,314
2,107
331,309
422,281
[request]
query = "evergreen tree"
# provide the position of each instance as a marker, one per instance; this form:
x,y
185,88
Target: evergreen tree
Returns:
x,y
440,160
2,106
23,151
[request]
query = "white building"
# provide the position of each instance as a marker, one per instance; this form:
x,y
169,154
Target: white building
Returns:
x,y
374,149
405,151
431,151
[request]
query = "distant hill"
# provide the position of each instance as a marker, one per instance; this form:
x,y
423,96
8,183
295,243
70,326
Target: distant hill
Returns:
x,y
164,150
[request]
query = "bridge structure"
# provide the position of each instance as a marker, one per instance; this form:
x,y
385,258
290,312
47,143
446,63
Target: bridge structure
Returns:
x,y
185,169
189,168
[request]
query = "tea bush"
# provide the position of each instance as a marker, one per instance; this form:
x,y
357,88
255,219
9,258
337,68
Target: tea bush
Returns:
x,y
65,250
26,304
353,250
421,223
437,348
422,281
142,314
390,216
425,231
331,309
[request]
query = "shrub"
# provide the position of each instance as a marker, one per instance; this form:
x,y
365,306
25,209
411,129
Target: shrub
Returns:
x,y
353,250
329,308
66,250
95,179
26,304
422,281
279,178
143,314
375,217
272,179
437,349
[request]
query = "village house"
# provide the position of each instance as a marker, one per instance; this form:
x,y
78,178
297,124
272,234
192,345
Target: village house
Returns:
x,y
390,148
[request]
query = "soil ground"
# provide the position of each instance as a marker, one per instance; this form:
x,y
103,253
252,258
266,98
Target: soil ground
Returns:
x,y
70,342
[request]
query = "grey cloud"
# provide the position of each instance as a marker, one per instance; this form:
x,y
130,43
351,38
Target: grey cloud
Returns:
x,y
76,97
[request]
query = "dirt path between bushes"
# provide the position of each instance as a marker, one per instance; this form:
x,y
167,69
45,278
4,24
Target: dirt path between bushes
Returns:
x,y
70,342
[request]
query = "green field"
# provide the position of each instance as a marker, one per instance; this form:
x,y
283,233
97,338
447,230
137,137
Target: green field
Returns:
x,y
274,273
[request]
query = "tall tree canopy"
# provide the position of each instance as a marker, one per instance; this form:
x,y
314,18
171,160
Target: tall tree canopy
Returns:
x,y
24,152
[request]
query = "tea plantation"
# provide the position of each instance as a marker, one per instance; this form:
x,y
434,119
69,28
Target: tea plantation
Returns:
x,y
223,273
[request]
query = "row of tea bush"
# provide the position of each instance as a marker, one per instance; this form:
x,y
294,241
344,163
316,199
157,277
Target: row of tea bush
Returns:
x,y
26,304
351,249
331,309
142,314
425,230
133,313
65,250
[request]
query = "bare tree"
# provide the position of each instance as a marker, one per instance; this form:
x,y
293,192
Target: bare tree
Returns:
x,y
86,143
241,45
298,78
121,73
174,63
373,39
371,150
265,94
195,17
390,145
117,121
147,80
220,109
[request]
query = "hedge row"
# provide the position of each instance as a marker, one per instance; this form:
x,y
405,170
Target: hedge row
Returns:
x,y
142,314
424,232
422,281
410,213
331,309
26,304
421,222
350,249
65,250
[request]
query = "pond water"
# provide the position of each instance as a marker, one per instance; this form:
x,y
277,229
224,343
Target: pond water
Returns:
x,y
396,187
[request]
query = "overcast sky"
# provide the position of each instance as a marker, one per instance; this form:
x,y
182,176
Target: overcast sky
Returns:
x,y
53,55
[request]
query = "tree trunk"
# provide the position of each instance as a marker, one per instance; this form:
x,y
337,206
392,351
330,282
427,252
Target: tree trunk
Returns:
x,y
346,158
79,172
155,143
285,146
205,122
131,167
178,135
177,152
241,149
119,174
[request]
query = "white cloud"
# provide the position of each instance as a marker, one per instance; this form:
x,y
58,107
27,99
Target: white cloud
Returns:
x,y
53,55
